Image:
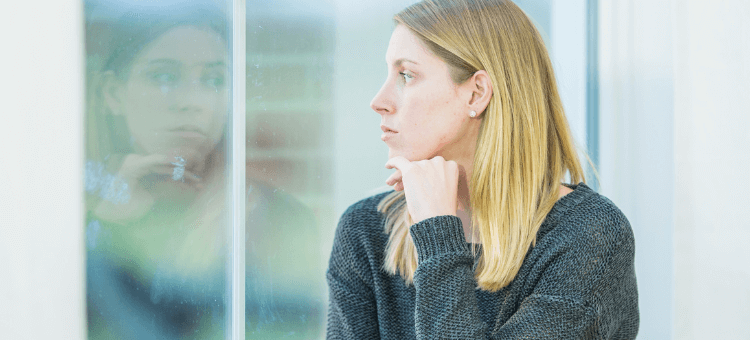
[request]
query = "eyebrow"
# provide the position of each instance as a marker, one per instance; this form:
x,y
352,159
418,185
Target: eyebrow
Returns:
x,y
399,62
216,64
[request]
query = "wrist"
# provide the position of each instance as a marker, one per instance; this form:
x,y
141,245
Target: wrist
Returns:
x,y
438,235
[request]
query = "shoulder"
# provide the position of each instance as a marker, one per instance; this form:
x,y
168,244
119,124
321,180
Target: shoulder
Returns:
x,y
586,218
362,219
588,255
359,242
366,208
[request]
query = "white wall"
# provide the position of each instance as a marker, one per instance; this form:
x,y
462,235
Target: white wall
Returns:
x,y
675,154
712,164
41,159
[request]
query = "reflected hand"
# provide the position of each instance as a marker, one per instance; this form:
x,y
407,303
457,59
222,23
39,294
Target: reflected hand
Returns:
x,y
430,186
134,171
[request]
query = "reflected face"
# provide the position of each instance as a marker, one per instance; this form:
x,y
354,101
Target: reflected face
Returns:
x,y
175,97
419,101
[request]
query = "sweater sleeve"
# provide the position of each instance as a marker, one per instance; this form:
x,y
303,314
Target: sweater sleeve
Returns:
x,y
585,287
352,310
446,304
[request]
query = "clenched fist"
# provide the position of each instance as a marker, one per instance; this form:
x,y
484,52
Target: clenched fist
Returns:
x,y
430,186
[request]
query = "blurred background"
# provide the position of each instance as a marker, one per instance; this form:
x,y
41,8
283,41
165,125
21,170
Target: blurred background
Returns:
x,y
115,206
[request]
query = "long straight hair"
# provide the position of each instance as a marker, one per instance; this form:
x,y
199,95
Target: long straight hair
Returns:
x,y
524,149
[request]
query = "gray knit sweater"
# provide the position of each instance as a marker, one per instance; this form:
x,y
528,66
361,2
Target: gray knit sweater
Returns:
x,y
577,283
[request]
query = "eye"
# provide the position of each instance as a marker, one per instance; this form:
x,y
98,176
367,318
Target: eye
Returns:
x,y
164,78
406,76
214,81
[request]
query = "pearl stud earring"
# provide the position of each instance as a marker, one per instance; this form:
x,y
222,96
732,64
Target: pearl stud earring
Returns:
x,y
472,113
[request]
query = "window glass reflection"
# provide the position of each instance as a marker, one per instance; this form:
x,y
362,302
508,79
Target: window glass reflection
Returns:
x,y
157,234
155,173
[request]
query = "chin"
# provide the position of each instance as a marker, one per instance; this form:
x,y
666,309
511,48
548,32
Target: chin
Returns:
x,y
408,154
395,153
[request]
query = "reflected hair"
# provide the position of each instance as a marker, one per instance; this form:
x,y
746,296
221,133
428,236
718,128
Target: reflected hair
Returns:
x,y
136,28
525,148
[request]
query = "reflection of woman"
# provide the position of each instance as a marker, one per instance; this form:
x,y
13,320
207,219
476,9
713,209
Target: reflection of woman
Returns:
x,y
482,240
157,234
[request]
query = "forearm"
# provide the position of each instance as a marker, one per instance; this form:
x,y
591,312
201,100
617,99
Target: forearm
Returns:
x,y
446,304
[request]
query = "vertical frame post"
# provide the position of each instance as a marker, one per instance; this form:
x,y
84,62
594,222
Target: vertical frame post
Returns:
x,y
592,87
237,171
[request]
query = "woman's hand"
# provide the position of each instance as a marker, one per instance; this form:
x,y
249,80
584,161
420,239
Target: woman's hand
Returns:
x,y
144,175
430,186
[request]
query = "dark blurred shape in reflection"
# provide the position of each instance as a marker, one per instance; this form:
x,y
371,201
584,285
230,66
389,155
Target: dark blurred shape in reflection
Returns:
x,y
157,234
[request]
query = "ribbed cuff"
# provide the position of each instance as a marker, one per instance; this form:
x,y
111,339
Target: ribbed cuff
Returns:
x,y
438,235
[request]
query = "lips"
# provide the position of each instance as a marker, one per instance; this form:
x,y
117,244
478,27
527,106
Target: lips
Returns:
x,y
387,129
388,133
189,132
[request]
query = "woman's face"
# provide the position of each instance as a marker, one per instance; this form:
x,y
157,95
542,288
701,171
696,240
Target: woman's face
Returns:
x,y
175,97
420,102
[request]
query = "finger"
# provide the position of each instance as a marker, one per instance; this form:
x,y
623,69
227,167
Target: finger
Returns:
x,y
153,160
399,186
137,166
398,162
165,165
140,161
193,179
393,178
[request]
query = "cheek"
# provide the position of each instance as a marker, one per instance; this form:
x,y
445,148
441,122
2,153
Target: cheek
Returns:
x,y
432,116
417,130
145,110
145,103
217,115
218,127
430,124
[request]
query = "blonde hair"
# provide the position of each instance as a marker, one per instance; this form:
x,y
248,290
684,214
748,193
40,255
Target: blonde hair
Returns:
x,y
524,149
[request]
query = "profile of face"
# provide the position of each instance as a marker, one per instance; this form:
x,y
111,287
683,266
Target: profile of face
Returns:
x,y
423,112
174,98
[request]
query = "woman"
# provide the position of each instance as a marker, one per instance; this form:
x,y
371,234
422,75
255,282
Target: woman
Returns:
x,y
480,239
157,236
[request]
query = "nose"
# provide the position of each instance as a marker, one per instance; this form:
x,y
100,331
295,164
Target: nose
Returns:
x,y
383,102
191,98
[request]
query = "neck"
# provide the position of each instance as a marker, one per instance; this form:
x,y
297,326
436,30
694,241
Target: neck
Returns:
x,y
465,159
465,162
464,182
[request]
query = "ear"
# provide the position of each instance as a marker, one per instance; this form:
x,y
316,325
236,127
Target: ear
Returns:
x,y
480,86
111,88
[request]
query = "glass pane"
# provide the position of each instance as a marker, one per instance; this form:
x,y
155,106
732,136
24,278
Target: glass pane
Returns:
x,y
290,48
157,224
